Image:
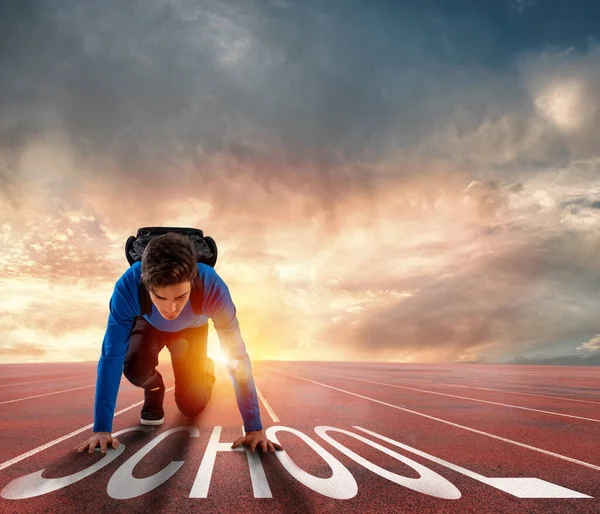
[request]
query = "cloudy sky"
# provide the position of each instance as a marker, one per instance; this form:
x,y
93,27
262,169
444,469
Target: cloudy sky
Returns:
x,y
412,181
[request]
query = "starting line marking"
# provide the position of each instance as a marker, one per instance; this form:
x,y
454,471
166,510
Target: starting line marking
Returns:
x,y
517,443
521,487
341,485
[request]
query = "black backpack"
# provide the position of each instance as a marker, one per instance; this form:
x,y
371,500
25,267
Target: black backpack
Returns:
x,y
206,252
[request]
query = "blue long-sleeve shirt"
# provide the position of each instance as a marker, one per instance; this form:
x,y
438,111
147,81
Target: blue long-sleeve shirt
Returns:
x,y
124,307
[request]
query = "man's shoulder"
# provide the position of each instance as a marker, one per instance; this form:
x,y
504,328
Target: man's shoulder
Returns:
x,y
211,279
207,271
135,270
131,277
125,299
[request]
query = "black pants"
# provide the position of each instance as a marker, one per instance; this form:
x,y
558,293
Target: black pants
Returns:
x,y
194,372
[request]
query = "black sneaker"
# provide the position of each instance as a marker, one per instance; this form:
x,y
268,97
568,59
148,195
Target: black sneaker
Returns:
x,y
152,411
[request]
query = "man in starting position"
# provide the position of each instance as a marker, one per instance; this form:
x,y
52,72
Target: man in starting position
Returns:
x,y
169,270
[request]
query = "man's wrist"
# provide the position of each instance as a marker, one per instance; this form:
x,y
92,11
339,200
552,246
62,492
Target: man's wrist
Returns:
x,y
102,427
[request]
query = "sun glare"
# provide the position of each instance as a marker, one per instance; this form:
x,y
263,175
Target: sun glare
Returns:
x,y
214,348
563,104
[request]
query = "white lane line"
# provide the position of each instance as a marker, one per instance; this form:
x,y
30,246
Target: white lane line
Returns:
x,y
64,437
46,394
528,386
39,381
267,406
429,379
557,385
462,397
517,443
439,384
543,374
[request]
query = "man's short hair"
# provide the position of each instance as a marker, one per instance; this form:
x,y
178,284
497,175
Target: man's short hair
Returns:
x,y
168,260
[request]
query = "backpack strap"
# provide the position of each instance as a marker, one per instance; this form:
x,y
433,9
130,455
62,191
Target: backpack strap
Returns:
x,y
197,295
145,301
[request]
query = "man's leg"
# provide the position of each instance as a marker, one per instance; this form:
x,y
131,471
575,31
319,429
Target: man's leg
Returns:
x,y
194,372
139,368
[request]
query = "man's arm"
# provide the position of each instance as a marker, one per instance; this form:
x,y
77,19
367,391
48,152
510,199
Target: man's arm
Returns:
x,y
123,309
219,306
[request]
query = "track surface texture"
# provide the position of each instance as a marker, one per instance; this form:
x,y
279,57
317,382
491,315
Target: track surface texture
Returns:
x,y
357,437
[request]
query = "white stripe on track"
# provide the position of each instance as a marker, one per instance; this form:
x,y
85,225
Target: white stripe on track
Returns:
x,y
501,391
39,381
462,397
517,443
64,437
267,406
46,394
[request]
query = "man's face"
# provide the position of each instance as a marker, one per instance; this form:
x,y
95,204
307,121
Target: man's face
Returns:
x,y
170,300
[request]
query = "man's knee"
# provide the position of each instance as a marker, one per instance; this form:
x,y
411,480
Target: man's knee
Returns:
x,y
179,349
191,407
137,373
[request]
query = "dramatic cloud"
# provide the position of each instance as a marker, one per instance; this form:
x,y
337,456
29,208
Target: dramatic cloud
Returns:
x,y
30,351
387,181
593,345
567,360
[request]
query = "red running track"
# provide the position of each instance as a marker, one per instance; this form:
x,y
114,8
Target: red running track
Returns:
x,y
360,437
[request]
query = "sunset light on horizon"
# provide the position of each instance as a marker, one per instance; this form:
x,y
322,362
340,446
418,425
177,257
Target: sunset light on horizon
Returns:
x,y
380,188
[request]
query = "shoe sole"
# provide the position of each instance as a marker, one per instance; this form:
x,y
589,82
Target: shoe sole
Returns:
x,y
152,421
